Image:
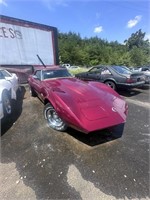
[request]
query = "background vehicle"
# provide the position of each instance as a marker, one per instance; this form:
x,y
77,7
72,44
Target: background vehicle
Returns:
x,y
145,70
22,41
8,89
113,76
85,106
67,65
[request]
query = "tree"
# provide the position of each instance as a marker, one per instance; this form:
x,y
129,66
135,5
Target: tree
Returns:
x,y
138,58
95,51
137,40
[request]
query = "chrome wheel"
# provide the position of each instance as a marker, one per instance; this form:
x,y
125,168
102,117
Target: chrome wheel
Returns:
x,y
54,121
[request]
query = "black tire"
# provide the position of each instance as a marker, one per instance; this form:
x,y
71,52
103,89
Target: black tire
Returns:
x,y
7,106
53,120
111,84
32,92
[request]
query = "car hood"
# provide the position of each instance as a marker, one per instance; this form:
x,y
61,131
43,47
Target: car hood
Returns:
x,y
91,107
84,95
79,90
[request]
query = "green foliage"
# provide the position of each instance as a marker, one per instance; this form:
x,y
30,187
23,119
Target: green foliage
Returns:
x,y
76,71
136,40
94,51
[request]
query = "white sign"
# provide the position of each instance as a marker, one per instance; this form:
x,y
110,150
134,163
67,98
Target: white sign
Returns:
x,y
21,45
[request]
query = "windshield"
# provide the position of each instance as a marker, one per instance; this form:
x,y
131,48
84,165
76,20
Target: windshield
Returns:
x,y
59,73
122,70
4,74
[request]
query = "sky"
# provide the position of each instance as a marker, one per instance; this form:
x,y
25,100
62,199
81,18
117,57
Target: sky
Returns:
x,y
111,20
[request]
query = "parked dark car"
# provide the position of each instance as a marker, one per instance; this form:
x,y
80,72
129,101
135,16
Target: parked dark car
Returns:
x,y
114,76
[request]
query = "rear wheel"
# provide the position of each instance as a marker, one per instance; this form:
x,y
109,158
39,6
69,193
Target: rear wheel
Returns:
x,y
32,92
111,84
54,121
7,107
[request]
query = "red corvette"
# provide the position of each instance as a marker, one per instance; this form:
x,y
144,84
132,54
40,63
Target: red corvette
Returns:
x,y
85,106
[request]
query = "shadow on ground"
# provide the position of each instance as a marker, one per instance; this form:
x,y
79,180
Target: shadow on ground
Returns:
x,y
134,91
93,138
129,93
8,121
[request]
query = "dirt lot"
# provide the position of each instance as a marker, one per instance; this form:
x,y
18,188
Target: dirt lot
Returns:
x,y
40,163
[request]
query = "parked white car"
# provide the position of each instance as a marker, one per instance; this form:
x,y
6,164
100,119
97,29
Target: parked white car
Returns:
x,y
66,65
8,90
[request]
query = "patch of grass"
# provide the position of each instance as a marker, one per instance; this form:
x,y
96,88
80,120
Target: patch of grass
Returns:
x,y
76,71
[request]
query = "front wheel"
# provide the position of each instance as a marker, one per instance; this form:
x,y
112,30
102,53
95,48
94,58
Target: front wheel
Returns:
x,y
7,107
54,121
111,84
